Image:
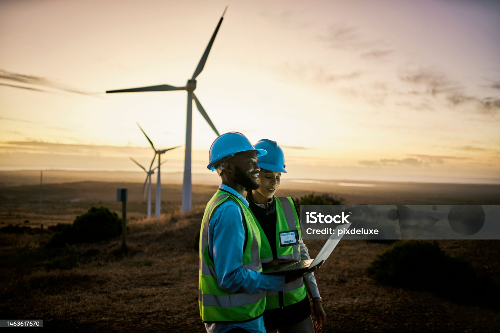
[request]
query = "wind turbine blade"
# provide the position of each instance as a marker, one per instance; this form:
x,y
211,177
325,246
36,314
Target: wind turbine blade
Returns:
x,y
161,87
160,164
147,138
138,164
165,150
203,59
145,182
204,114
152,161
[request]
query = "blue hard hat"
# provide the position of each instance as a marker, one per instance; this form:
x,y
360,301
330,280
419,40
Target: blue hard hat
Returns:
x,y
229,144
275,159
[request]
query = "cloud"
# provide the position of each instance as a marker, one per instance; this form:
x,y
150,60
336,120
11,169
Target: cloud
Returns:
x,y
374,94
437,159
471,148
20,120
15,132
486,106
420,106
404,161
288,18
376,54
341,36
346,37
297,147
392,162
37,81
433,82
60,148
416,160
496,85
438,85
316,74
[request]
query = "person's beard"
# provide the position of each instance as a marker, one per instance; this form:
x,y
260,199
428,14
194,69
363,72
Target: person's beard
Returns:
x,y
244,180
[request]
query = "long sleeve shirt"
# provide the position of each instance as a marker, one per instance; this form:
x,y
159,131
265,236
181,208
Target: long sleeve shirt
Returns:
x,y
226,237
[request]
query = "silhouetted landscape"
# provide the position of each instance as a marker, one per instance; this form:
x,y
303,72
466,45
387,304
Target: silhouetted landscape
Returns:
x,y
154,287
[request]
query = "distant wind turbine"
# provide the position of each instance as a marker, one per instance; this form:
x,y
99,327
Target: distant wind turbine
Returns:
x,y
158,180
190,87
147,182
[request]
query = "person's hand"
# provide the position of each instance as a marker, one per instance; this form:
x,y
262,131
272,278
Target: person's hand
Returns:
x,y
294,275
320,315
277,262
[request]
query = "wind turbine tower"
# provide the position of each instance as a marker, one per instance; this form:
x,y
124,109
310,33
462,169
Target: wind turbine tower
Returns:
x,y
158,181
190,88
147,183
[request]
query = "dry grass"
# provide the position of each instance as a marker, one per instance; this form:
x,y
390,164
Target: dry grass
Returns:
x,y
155,286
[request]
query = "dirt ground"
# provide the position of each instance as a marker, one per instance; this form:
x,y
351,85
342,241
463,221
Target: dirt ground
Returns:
x,y
155,286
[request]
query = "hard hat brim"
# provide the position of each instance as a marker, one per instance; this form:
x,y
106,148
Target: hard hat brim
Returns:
x,y
260,152
271,167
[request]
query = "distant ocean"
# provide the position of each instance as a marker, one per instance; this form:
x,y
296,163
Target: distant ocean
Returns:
x,y
306,181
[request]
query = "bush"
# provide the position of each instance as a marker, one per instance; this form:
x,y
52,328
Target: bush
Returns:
x,y
324,199
68,259
66,236
313,199
59,227
96,225
422,265
19,230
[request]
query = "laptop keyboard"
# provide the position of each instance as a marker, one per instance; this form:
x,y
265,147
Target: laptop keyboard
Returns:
x,y
300,264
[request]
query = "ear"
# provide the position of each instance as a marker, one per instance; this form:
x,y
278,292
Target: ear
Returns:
x,y
229,167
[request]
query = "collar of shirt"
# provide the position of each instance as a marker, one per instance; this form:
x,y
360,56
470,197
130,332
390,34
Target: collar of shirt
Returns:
x,y
263,206
233,192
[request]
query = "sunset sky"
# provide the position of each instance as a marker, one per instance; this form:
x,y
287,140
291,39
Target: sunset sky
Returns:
x,y
362,90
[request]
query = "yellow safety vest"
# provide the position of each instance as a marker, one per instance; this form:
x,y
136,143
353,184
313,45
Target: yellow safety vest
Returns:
x,y
217,305
286,220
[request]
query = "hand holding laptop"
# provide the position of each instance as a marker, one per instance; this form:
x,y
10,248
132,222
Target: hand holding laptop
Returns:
x,y
277,262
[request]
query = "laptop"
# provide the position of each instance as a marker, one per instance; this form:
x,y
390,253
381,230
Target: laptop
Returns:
x,y
323,254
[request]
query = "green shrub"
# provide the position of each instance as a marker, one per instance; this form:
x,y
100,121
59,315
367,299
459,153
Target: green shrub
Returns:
x,y
96,225
66,236
68,259
323,199
59,227
313,199
19,230
422,265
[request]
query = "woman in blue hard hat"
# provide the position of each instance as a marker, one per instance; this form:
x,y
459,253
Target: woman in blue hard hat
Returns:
x,y
290,310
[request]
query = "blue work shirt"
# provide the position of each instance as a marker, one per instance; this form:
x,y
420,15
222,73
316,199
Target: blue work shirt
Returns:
x,y
226,236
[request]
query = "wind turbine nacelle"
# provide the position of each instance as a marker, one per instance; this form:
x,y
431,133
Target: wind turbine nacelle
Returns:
x,y
191,85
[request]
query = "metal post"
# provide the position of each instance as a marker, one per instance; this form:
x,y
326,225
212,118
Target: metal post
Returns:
x,y
121,195
41,193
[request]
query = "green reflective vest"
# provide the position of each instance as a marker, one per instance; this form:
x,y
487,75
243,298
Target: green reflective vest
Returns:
x,y
217,305
286,220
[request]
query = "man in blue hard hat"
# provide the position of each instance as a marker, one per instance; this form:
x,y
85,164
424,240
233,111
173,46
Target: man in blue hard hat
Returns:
x,y
232,289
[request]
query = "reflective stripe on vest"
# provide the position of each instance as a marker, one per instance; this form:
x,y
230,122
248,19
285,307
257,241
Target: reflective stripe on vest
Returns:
x,y
286,220
216,304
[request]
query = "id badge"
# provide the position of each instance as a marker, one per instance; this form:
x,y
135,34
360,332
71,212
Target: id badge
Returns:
x,y
288,238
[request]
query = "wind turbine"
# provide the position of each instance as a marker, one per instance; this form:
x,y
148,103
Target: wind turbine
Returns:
x,y
158,180
147,182
190,87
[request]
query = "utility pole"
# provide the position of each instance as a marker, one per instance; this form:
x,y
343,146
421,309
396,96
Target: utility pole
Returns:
x,y
121,195
41,193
